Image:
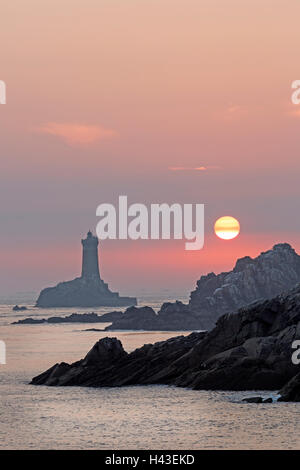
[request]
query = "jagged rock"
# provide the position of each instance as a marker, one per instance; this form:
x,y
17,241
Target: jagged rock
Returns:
x,y
143,318
251,281
250,350
271,273
105,352
16,308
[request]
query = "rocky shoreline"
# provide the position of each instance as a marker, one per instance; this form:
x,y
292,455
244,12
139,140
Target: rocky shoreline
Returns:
x,y
248,350
263,277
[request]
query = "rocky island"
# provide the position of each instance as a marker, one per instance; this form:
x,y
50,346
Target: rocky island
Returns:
x,y
89,290
247,350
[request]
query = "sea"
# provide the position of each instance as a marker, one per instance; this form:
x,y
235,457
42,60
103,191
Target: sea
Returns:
x,y
136,417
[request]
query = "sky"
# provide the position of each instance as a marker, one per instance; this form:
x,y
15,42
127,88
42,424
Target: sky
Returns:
x,y
163,101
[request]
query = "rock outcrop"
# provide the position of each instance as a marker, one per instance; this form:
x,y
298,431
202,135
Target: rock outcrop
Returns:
x,y
82,293
271,273
248,350
171,317
250,280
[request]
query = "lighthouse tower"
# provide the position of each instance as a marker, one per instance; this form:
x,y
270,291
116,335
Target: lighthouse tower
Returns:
x,y
89,290
90,265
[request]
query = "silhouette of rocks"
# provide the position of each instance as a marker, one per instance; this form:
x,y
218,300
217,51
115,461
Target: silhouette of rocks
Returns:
x,y
82,293
74,318
30,321
16,308
248,350
264,277
250,281
172,317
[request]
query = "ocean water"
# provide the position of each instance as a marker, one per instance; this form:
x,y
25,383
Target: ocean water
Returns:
x,y
152,417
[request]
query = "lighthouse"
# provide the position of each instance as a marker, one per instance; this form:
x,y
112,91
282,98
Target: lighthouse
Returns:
x,y
88,290
90,264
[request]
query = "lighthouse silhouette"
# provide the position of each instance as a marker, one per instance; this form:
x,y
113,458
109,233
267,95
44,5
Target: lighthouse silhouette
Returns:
x,y
90,263
89,290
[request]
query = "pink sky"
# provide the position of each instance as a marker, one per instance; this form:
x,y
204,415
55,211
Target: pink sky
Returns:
x,y
131,97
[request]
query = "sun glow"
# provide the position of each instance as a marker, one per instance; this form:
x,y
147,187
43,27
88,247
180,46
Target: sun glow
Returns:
x,y
227,228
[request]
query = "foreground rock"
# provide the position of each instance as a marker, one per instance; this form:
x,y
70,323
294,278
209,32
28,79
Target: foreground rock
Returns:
x,y
250,350
73,318
291,391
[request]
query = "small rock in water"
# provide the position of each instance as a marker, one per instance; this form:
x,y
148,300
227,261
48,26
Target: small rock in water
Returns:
x,y
253,400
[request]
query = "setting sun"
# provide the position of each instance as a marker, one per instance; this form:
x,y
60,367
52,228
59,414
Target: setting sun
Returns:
x,y
227,228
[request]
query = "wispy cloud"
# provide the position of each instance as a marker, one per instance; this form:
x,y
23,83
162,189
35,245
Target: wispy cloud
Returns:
x,y
196,168
232,112
76,134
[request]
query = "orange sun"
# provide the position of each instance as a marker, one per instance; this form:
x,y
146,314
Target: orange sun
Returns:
x,y
227,227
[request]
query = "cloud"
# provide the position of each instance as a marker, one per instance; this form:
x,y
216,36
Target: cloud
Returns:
x,y
232,112
76,134
196,168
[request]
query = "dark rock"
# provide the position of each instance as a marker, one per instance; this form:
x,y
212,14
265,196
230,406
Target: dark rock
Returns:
x,y
105,352
251,281
16,308
264,277
253,400
143,318
75,318
102,356
291,391
82,293
268,400
171,317
30,321
93,329
250,350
